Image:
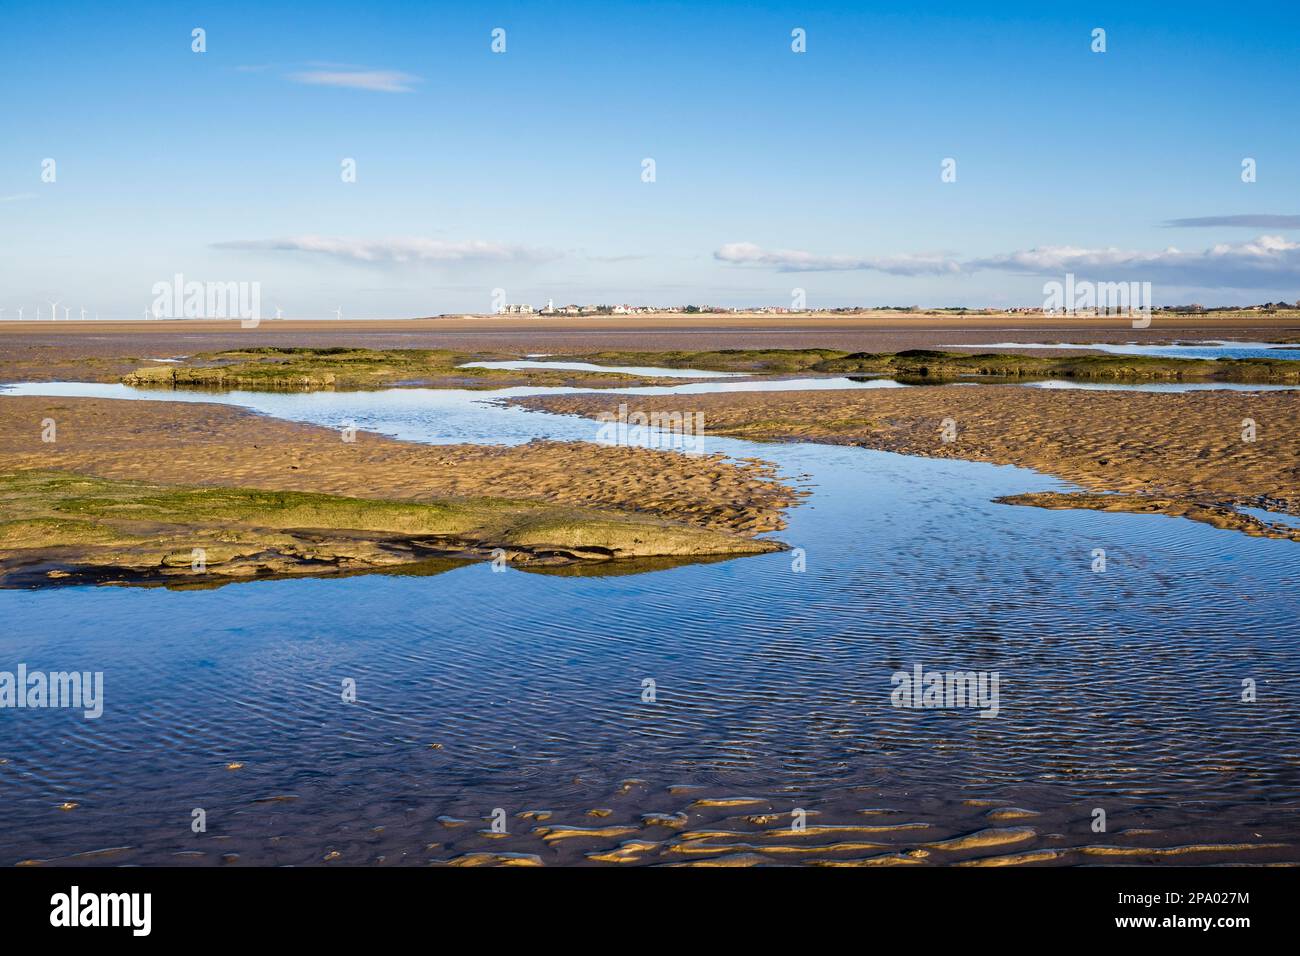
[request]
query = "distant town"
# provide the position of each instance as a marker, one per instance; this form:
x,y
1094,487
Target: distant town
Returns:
x,y
551,309
572,309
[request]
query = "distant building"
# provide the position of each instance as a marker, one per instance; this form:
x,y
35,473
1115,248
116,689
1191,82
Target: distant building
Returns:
x,y
516,310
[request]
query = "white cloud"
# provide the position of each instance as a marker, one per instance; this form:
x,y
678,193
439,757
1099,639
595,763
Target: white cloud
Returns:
x,y
1263,263
380,81
1267,262
787,260
396,251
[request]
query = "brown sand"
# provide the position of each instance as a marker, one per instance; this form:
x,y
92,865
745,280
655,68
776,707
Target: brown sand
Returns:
x,y
105,351
216,445
1171,453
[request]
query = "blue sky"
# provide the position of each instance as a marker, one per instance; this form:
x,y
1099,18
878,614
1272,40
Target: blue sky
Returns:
x,y
523,170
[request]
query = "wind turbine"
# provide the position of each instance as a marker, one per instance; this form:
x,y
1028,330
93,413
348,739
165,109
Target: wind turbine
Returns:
x,y
20,313
83,313
338,313
54,310
278,312
67,311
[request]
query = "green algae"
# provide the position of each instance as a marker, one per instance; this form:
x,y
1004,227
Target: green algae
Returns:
x,y
315,369
57,525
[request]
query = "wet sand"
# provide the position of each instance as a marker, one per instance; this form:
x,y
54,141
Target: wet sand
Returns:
x,y
631,502
636,823
1178,454
197,444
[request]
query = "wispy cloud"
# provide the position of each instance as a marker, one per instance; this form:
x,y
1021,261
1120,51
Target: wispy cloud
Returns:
x,y
1266,262
1249,220
14,197
788,260
396,251
631,257
379,81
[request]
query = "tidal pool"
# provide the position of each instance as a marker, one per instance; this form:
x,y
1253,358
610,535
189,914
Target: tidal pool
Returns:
x,y
763,383
1168,387
772,677
1214,349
